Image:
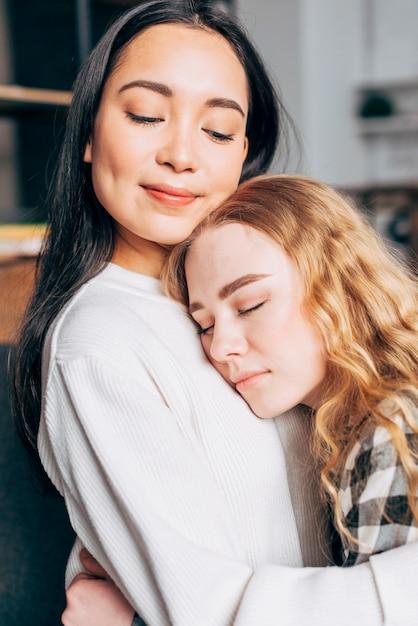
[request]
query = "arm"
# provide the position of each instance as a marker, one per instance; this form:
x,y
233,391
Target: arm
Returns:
x,y
141,499
383,590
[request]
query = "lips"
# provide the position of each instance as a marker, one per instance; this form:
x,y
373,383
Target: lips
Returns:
x,y
246,380
173,196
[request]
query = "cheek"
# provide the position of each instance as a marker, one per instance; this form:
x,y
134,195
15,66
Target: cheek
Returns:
x,y
205,341
314,349
227,172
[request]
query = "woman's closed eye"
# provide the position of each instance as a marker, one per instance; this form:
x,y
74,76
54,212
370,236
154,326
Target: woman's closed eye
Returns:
x,y
208,330
219,137
143,119
251,309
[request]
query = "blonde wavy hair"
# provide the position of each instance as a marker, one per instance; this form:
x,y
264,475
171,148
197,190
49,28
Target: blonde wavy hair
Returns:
x,y
362,300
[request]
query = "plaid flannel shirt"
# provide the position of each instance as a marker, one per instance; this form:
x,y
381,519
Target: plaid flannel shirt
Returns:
x,y
372,489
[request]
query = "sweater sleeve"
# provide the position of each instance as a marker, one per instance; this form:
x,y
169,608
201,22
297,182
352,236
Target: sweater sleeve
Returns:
x,y
382,591
140,497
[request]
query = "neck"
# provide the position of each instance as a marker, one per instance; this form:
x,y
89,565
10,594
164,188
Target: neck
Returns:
x,y
146,258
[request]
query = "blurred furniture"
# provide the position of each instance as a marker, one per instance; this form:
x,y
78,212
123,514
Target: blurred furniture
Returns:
x,y
392,209
18,246
35,533
43,44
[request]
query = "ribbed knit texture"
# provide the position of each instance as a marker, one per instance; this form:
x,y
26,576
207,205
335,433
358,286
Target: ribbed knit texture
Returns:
x,y
169,479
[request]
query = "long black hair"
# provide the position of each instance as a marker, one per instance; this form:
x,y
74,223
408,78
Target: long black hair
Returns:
x,y
81,236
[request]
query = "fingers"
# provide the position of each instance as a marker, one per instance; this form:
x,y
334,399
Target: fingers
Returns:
x,y
92,566
83,576
93,602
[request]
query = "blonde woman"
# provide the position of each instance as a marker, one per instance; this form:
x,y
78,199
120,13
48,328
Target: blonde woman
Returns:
x,y
302,304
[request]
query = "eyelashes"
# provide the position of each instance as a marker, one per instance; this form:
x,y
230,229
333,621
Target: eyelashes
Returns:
x,y
252,308
208,330
219,137
145,120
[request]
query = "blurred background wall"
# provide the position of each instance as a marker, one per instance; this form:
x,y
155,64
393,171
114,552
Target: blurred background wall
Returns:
x,y
348,72
328,56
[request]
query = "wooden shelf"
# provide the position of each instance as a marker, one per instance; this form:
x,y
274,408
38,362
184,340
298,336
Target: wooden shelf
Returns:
x,y
19,246
16,285
390,125
15,98
387,85
20,241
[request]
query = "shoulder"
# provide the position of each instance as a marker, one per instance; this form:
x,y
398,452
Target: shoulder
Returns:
x,y
123,319
374,488
374,457
374,447
117,310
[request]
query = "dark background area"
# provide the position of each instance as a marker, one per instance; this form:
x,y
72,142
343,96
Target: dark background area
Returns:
x,y
45,54
35,534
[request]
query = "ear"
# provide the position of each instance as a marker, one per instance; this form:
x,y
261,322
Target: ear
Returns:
x,y
87,152
245,149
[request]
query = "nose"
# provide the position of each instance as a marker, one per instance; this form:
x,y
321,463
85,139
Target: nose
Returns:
x,y
178,149
227,342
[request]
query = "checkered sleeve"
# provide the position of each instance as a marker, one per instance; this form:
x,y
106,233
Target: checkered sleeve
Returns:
x,y
373,495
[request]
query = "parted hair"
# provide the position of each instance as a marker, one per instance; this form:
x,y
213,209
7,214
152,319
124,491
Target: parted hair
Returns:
x,y
81,234
356,293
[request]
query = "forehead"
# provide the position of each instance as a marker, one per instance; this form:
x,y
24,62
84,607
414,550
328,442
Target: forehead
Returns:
x,y
188,45
228,250
223,255
228,236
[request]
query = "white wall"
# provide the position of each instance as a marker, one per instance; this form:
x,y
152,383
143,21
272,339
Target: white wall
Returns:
x,y
274,26
393,39
320,51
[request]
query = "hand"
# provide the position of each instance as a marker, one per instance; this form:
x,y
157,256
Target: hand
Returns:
x,y
92,566
94,600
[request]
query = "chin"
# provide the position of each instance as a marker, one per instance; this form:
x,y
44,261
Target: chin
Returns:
x,y
264,413
270,412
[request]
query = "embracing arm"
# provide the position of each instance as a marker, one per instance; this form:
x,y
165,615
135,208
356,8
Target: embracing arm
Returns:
x,y
379,592
140,499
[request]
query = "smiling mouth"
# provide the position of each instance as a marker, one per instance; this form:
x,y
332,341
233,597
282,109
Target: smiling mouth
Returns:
x,y
171,197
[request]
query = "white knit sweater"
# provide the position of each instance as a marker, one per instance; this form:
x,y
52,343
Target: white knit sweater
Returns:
x,y
172,483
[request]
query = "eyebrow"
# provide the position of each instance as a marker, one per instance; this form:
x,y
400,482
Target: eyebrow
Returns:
x,y
148,84
225,103
164,90
230,288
